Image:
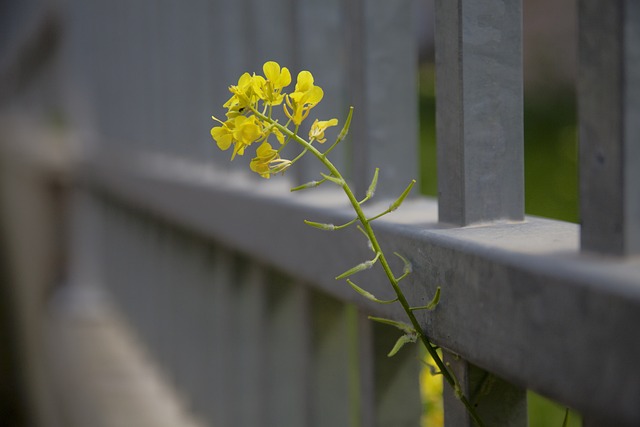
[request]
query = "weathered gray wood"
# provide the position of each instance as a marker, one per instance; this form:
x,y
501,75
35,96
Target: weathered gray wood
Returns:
x,y
222,356
330,403
497,402
274,37
288,349
397,394
609,107
247,322
327,59
479,110
366,364
383,85
528,275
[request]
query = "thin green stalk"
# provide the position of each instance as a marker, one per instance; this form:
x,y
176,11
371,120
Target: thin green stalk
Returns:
x,y
446,373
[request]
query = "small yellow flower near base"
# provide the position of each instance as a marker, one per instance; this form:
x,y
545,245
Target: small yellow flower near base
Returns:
x,y
247,130
265,154
318,127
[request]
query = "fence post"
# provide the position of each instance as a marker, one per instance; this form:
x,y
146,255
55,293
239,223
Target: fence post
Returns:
x,y
480,153
479,110
609,107
498,403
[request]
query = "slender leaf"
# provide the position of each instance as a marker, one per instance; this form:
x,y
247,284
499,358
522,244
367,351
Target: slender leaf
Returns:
x,y
432,304
407,329
311,184
360,267
395,205
369,295
321,226
401,342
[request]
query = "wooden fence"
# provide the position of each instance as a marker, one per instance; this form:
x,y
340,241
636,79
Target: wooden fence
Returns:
x,y
235,297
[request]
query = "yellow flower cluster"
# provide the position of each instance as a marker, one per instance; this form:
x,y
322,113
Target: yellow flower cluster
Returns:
x,y
249,115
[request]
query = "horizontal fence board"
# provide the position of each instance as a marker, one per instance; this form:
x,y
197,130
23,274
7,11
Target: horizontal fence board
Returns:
x,y
518,299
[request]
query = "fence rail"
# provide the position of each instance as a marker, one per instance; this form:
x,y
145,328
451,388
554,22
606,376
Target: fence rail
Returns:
x,y
235,296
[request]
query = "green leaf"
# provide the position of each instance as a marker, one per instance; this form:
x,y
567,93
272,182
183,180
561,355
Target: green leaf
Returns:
x,y
432,304
360,267
435,300
343,133
345,129
406,270
369,295
321,226
311,184
407,329
400,343
395,205
372,187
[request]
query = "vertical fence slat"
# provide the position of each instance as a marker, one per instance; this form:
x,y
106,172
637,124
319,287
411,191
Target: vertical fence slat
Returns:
x,y
221,341
273,37
330,403
288,355
250,373
498,403
479,110
326,58
609,111
397,396
383,82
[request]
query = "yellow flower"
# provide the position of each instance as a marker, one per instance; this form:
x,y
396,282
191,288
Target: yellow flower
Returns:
x,y
244,93
246,131
304,83
223,135
264,156
318,127
305,97
276,80
241,93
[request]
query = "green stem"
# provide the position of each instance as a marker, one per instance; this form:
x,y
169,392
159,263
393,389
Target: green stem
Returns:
x,y
446,373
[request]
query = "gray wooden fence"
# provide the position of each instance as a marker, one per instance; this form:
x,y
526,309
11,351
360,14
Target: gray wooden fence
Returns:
x,y
235,297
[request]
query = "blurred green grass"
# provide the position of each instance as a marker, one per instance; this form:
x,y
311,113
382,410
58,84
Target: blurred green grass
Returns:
x,y
551,179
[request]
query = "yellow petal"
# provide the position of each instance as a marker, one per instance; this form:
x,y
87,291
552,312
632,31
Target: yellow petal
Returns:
x,y
271,70
315,95
222,137
264,150
285,78
244,80
305,81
